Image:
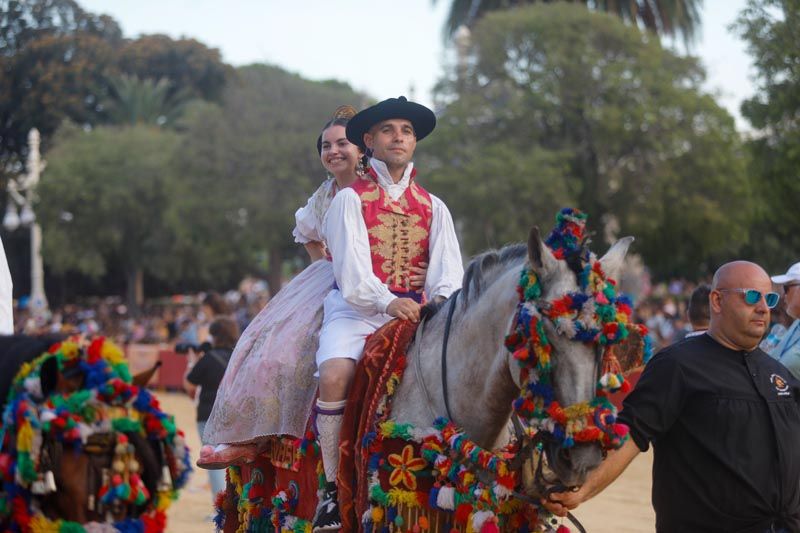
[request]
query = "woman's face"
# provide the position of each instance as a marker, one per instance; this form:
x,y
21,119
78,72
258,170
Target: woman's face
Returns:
x,y
338,156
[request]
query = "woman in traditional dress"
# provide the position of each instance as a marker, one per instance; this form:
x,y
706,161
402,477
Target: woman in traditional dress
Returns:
x,y
269,386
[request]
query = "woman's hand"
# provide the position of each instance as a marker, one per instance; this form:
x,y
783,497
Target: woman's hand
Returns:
x,y
316,250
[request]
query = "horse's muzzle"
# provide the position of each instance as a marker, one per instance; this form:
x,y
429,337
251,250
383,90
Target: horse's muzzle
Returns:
x,y
571,465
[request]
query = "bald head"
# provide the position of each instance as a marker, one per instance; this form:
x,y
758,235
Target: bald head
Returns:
x,y
737,273
735,323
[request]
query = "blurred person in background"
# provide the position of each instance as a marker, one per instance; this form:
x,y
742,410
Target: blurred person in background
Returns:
x,y
787,350
661,325
699,312
204,372
213,306
780,323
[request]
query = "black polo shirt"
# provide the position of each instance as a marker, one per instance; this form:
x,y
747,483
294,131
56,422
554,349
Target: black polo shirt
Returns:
x,y
725,429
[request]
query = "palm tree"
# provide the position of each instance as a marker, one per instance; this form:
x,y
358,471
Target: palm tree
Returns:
x,y
134,101
670,18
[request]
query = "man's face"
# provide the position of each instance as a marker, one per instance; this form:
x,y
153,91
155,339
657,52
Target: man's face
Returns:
x,y
742,323
791,292
392,141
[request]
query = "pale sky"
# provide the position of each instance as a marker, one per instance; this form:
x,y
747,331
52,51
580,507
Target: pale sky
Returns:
x,y
380,47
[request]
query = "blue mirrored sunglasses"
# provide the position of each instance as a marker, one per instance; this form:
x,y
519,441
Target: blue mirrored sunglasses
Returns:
x,y
753,296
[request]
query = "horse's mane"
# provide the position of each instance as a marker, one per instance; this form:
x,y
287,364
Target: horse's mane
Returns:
x,y
481,272
15,350
487,267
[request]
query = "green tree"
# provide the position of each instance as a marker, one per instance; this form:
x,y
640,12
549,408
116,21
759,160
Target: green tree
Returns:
x,y
23,21
107,200
664,17
57,59
255,158
52,78
559,105
770,28
189,65
134,101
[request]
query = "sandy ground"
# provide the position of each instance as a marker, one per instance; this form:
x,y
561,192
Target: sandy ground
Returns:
x,y
623,507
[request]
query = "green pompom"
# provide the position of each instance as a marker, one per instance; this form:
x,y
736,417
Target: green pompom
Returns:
x,y
71,527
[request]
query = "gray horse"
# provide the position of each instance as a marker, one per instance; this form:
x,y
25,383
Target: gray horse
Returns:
x,y
483,379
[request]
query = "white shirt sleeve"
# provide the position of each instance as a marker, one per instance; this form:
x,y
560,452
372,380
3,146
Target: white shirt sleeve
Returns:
x,y
348,241
6,295
445,268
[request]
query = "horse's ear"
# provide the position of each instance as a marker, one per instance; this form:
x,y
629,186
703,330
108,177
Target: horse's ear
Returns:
x,y
542,260
615,257
143,378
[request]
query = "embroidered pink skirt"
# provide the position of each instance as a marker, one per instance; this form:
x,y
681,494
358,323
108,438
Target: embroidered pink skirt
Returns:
x,y
269,385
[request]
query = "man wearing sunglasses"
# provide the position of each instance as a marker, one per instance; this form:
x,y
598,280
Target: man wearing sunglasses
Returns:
x,y
723,419
787,351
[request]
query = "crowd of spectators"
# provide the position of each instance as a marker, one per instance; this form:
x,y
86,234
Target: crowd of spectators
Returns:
x,y
662,307
177,319
664,310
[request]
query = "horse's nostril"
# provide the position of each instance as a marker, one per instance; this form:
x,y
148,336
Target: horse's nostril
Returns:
x,y
565,455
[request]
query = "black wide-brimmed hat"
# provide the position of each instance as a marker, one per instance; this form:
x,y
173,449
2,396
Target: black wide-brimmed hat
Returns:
x,y
420,117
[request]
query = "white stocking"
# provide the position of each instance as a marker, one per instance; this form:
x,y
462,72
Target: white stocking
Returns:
x,y
329,422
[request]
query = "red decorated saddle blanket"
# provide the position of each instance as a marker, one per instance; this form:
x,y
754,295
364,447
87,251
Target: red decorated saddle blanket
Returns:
x,y
288,475
384,358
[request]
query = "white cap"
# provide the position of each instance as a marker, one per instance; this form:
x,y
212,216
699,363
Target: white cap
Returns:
x,y
793,274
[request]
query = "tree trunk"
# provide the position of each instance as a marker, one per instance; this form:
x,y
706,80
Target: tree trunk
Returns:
x,y
275,270
593,199
135,290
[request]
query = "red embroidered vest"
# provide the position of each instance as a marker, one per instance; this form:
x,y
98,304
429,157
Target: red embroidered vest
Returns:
x,y
399,230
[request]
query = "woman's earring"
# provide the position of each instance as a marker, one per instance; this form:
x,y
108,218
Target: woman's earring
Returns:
x,y
361,168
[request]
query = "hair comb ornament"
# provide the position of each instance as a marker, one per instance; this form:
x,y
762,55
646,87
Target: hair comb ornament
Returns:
x,y
344,111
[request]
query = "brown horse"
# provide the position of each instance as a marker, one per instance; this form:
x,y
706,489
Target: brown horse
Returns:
x,y
72,475
79,473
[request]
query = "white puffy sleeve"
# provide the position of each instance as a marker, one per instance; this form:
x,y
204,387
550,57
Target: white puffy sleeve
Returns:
x,y
308,219
348,242
445,268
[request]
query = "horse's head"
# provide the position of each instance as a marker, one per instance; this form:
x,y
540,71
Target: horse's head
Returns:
x,y
567,316
98,445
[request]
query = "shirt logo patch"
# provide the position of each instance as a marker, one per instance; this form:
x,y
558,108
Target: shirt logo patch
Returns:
x,y
780,385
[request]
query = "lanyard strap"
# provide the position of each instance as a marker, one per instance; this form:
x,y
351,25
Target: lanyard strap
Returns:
x,y
790,340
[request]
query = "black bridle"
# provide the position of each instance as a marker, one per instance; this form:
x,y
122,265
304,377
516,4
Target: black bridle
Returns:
x,y
527,443
447,324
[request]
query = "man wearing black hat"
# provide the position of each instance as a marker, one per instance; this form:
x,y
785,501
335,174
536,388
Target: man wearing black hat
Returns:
x,y
377,230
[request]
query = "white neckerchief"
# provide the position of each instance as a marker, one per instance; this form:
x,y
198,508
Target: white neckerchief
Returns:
x,y
394,190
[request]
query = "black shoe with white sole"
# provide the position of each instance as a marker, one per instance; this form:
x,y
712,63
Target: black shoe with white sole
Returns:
x,y
327,517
